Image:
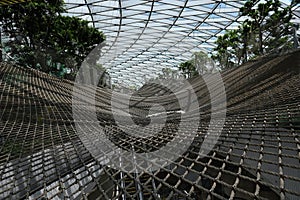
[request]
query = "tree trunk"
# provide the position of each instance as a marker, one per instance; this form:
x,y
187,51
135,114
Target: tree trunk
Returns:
x,y
245,44
260,41
1,45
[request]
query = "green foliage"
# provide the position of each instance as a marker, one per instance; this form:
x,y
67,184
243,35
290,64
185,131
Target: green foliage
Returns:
x,y
228,49
168,73
266,29
203,63
199,64
40,37
188,69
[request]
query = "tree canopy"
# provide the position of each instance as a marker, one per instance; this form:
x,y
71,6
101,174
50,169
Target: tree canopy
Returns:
x,y
200,63
267,28
41,37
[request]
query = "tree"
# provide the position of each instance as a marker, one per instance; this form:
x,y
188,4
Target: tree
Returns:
x,y
279,30
267,28
246,39
201,63
40,37
227,49
269,20
168,73
188,69
257,16
104,77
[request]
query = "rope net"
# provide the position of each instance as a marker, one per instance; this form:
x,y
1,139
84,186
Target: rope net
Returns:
x,y
256,156
9,2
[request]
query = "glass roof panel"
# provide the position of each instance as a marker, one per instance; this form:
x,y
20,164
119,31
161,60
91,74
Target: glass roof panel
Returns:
x,y
140,33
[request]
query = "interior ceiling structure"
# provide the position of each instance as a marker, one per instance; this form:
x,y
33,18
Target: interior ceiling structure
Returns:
x,y
145,36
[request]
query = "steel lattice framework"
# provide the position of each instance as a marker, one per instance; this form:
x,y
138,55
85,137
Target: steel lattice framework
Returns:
x,y
145,36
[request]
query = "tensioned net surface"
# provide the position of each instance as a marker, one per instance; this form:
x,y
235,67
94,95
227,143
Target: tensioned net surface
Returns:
x,y
255,157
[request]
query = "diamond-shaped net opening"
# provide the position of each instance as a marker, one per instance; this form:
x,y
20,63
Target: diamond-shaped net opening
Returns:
x,y
42,155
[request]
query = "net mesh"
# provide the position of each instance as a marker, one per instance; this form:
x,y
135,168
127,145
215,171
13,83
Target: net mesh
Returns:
x,y
256,157
8,2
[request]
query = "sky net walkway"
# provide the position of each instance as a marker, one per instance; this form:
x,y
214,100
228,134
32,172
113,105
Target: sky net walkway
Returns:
x,y
42,155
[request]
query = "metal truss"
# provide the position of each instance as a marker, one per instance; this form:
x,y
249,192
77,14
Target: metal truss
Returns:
x,y
146,36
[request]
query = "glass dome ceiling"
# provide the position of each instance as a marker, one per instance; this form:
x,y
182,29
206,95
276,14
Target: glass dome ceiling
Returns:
x,y
144,36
